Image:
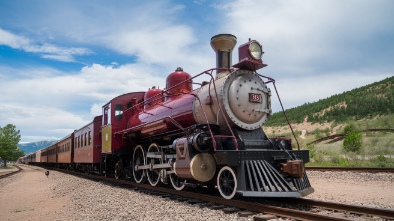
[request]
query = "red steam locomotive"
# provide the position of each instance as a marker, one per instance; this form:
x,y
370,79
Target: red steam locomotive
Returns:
x,y
208,136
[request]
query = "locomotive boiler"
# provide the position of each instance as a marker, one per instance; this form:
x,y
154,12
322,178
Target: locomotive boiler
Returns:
x,y
212,135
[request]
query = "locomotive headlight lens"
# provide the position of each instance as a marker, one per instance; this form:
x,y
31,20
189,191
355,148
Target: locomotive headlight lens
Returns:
x,y
255,50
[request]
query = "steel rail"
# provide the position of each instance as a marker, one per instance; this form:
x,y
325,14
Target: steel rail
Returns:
x,y
384,213
254,206
353,169
338,137
250,206
11,173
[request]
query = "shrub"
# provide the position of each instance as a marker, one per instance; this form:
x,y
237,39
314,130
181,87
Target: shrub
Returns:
x,y
353,138
318,133
380,160
318,159
340,160
312,150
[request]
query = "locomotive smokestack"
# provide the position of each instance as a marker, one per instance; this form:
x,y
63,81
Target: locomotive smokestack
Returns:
x,y
223,44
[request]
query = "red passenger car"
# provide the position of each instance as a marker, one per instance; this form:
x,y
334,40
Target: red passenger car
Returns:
x,y
44,156
87,146
65,151
38,157
52,155
31,159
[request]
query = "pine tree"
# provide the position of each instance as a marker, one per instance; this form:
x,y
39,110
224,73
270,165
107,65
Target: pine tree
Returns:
x,y
9,138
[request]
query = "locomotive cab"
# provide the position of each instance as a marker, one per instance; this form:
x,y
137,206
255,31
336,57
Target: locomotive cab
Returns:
x,y
115,116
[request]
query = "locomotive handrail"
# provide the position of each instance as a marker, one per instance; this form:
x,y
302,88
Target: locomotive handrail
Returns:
x,y
205,116
220,107
271,80
142,103
209,72
176,123
147,113
212,81
161,104
142,125
209,127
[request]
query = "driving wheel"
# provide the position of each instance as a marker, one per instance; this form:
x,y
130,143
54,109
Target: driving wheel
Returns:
x,y
153,156
138,160
118,169
177,183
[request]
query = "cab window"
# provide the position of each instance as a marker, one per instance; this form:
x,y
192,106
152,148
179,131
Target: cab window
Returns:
x,y
118,111
106,115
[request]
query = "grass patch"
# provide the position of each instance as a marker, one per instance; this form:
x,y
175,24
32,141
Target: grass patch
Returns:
x,y
7,167
377,151
22,210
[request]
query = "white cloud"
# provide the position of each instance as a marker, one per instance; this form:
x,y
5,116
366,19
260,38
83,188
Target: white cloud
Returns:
x,y
156,44
95,109
314,49
310,33
95,82
40,121
14,41
148,30
47,51
55,105
51,103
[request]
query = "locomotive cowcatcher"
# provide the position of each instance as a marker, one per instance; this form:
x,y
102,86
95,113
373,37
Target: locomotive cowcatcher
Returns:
x,y
210,136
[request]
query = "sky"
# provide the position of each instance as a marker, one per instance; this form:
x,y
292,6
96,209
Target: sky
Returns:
x,y
61,61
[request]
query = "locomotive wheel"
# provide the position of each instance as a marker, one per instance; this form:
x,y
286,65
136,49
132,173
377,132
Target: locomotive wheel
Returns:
x,y
118,169
227,183
153,175
177,183
139,160
86,169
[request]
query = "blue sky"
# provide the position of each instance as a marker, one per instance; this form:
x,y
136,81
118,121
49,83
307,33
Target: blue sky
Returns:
x,y
60,61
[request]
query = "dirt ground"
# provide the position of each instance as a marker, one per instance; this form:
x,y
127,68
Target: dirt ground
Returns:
x,y
305,128
30,195
368,189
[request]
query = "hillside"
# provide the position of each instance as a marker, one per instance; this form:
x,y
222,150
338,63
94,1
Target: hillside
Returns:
x,y
367,107
33,147
366,102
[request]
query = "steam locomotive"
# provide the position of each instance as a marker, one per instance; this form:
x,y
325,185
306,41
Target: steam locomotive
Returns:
x,y
210,136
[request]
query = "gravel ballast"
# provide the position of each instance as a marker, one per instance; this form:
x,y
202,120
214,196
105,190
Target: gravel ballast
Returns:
x,y
30,195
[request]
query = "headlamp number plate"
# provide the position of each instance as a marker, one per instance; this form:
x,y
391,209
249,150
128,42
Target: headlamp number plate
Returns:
x,y
255,98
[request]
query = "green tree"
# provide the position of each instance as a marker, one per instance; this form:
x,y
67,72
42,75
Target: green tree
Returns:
x,y
353,138
9,138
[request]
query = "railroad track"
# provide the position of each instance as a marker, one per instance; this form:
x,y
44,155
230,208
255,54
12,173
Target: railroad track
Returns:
x,y
383,213
215,201
11,173
353,169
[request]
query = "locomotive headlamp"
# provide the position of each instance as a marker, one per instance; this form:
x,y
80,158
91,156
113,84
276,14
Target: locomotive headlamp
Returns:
x,y
255,50
250,55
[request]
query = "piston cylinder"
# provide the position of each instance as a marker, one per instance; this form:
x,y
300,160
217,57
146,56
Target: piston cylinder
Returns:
x,y
192,165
